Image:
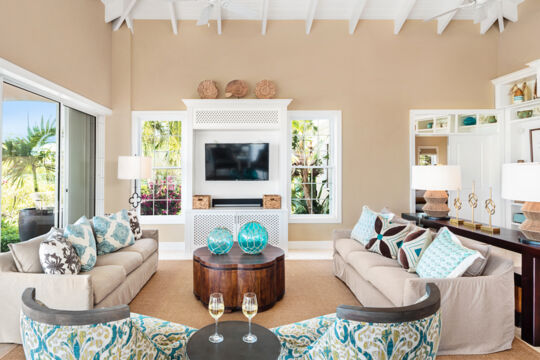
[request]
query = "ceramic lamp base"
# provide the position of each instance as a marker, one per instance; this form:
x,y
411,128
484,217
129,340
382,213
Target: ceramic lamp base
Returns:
x,y
436,206
531,226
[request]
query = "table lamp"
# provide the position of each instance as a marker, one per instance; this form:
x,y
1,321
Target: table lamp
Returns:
x,y
521,182
134,168
436,180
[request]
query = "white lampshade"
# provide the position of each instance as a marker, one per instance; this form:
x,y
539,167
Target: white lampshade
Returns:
x,y
134,167
436,177
521,181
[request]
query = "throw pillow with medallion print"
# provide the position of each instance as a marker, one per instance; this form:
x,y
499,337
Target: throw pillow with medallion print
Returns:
x,y
387,237
113,232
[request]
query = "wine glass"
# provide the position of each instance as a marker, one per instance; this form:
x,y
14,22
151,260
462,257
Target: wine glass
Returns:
x,y
216,308
249,308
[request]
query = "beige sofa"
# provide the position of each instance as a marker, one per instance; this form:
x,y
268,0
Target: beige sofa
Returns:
x,y
115,280
477,312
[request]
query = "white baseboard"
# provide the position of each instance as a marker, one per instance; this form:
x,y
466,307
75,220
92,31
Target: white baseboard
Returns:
x,y
171,246
310,245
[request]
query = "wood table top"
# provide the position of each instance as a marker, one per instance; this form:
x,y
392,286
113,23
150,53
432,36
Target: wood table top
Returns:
x,y
237,258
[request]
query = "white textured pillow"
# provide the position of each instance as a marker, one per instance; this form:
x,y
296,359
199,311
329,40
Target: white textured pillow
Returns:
x,y
364,229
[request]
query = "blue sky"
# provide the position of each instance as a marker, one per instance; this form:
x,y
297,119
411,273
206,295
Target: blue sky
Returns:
x,y
16,115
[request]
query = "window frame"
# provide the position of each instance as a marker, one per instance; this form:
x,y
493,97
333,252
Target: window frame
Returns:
x,y
335,165
138,118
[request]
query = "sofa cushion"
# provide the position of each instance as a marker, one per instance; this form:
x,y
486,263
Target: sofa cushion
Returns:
x,y
362,261
446,257
148,246
105,279
81,236
390,281
387,238
413,248
129,260
345,246
57,256
478,266
363,230
26,254
113,232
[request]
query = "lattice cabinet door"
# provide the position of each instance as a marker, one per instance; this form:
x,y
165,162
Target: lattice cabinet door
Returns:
x,y
271,222
204,223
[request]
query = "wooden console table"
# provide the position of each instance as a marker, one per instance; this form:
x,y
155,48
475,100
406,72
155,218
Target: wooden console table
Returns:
x,y
530,268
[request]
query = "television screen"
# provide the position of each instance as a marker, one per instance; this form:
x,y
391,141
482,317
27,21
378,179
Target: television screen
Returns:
x,y
244,162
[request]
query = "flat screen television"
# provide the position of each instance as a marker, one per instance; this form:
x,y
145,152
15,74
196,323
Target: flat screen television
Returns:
x,y
237,162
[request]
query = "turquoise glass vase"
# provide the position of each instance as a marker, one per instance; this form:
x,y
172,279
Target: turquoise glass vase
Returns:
x,y
220,241
252,238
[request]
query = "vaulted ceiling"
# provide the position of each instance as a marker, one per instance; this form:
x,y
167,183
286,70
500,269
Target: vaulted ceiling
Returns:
x,y
485,12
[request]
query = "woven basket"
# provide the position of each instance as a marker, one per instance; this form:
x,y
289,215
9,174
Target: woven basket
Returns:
x,y
272,202
201,201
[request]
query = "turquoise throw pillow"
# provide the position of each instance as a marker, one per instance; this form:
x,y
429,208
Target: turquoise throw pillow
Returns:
x,y
81,236
363,231
113,232
446,257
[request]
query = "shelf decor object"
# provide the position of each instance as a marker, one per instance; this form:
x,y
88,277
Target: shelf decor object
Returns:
x,y
520,182
517,94
469,121
457,205
236,88
252,238
201,201
265,89
490,207
436,180
134,168
271,201
220,241
473,203
208,89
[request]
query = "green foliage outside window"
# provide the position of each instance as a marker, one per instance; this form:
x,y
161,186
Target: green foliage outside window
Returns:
x,y
310,176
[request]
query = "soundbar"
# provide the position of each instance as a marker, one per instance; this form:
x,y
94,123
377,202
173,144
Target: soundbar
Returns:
x,y
237,202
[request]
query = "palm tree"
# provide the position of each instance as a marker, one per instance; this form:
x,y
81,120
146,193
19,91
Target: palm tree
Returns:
x,y
28,154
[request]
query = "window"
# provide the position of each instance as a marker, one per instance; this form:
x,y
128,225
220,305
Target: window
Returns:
x,y
427,155
159,135
315,155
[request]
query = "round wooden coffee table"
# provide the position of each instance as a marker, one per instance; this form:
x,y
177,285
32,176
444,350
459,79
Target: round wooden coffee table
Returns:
x,y
233,347
237,273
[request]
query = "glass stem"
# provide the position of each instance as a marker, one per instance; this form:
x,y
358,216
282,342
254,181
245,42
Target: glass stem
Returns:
x,y
249,332
216,328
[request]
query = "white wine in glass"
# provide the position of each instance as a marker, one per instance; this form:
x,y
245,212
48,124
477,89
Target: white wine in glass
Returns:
x,y
216,308
249,308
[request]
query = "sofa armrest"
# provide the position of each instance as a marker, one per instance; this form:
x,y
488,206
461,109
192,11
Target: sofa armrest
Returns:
x,y
479,308
341,234
64,292
150,234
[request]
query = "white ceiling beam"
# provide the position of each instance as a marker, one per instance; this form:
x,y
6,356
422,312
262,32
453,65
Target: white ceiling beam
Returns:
x,y
356,13
510,10
129,23
443,21
218,17
118,22
264,17
312,8
492,16
174,21
402,14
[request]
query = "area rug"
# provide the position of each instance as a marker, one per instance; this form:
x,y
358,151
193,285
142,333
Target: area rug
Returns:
x,y
311,290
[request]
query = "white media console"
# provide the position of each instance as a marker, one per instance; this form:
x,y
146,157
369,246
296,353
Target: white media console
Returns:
x,y
237,121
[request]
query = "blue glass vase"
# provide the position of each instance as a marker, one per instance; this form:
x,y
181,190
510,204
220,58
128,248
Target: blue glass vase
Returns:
x,y
252,238
220,241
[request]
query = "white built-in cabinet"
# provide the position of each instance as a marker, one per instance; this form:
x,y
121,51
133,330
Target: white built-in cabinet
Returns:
x,y
498,136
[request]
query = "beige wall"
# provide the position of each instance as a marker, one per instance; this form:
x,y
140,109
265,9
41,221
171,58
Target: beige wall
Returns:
x,y
374,77
64,41
440,142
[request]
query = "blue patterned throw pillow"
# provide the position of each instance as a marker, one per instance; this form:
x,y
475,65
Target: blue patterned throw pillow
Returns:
x,y
113,232
446,257
81,236
364,229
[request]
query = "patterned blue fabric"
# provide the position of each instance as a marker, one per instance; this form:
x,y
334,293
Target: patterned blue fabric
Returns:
x,y
329,337
138,337
113,232
445,257
252,238
363,231
220,241
81,236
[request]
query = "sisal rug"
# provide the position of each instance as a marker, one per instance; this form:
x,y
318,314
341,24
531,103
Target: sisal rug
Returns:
x,y
311,290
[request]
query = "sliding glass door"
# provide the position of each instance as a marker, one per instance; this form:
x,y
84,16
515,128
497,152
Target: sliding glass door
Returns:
x,y
48,164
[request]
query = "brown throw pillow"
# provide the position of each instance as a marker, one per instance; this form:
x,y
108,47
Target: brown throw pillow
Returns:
x,y
388,237
413,248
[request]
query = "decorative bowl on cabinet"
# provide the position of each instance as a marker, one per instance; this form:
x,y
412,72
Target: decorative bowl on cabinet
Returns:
x,y
220,241
252,238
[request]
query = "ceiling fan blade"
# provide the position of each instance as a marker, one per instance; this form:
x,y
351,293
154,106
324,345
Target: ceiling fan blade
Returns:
x,y
239,9
480,14
205,15
465,4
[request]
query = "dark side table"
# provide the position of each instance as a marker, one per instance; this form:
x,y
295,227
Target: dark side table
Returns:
x,y
233,347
